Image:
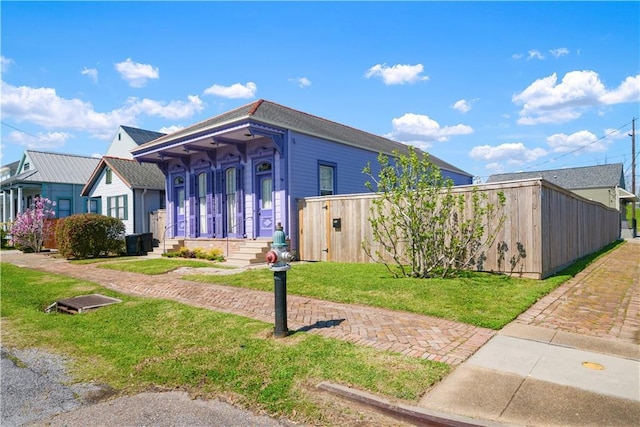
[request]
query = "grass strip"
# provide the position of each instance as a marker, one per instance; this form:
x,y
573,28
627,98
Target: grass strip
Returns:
x,y
148,343
481,299
154,266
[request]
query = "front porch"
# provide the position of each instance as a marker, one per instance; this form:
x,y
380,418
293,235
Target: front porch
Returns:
x,y
237,252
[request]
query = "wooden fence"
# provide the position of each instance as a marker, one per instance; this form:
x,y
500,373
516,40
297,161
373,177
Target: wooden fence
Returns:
x,y
546,227
157,220
50,237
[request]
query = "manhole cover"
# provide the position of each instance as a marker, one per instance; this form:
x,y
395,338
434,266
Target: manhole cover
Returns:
x,y
593,365
82,303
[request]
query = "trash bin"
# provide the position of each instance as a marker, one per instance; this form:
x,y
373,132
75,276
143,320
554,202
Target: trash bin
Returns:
x,y
134,245
147,242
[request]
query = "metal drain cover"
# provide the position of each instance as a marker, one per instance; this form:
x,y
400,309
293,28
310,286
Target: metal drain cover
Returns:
x,y
82,303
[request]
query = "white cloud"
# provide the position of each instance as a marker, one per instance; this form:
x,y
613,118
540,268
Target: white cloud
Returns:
x,y
584,140
135,73
517,56
5,63
91,72
397,74
234,91
463,105
171,110
628,91
420,130
43,107
561,51
40,141
512,153
170,129
547,101
301,81
535,54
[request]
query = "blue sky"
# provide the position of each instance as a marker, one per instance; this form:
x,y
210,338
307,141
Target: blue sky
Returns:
x,y
487,86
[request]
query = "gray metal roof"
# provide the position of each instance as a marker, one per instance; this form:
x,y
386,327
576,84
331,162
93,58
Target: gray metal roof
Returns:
x,y
141,136
135,175
268,112
601,176
56,168
11,168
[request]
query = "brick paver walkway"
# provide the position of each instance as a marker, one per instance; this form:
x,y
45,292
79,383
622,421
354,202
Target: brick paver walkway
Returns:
x,y
410,334
601,301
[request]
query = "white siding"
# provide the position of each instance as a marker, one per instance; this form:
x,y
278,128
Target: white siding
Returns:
x,y
116,188
121,147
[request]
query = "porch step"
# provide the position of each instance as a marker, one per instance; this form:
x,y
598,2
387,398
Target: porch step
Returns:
x,y
250,252
169,245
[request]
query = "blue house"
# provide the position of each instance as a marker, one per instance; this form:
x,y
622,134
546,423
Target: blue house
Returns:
x,y
55,176
233,177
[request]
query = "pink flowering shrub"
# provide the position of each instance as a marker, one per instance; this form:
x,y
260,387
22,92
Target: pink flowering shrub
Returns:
x,y
30,229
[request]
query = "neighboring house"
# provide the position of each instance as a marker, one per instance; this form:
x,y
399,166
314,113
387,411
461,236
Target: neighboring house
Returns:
x,y
7,171
238,174
127,190
55,176
124,188
127,138
602,183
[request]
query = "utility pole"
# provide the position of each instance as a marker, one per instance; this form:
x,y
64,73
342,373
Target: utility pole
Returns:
x,y
634,225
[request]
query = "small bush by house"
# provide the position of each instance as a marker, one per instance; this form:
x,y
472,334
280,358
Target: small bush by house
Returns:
x,y
214,254
90,235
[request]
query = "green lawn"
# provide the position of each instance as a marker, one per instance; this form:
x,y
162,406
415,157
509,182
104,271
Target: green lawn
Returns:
x,y
144,343
160,265
481,299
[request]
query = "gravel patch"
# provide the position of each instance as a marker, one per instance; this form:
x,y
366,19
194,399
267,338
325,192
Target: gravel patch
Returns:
x,y
37,391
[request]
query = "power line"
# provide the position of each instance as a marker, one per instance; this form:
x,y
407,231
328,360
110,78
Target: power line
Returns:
x,y
582,147
23,131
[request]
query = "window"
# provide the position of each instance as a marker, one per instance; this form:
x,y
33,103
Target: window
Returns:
x,y
202,202
117,207
25,167
232,207
267,193
326,173
93,206
108,176
64,207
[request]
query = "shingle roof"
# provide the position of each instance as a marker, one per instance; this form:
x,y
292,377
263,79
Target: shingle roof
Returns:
x,y
601,176
56,168
135,175
142,136
268,112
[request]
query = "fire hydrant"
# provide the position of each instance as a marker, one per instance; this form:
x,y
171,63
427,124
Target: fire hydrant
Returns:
x,y
279,258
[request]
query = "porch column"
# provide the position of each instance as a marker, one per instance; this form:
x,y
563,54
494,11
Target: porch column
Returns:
x,y
20,206
11,206
4,208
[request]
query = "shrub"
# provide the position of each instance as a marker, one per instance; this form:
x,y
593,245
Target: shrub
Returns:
x,y
90,235
214,254
4,240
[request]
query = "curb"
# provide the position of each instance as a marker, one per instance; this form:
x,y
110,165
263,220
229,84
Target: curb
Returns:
x,y
411,414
